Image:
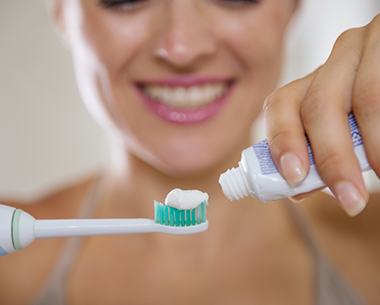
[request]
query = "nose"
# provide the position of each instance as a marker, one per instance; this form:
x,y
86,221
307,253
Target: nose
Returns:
x,y
185,37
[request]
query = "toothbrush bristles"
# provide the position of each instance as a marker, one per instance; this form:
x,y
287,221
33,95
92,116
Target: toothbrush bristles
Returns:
x,y
166,215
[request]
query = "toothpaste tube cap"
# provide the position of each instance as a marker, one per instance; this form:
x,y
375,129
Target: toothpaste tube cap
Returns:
x,y
234,184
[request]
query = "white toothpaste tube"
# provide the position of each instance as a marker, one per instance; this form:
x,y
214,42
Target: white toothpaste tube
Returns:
x,y
258,176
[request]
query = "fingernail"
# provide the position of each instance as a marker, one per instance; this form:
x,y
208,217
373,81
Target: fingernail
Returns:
x,y
292,169
353,203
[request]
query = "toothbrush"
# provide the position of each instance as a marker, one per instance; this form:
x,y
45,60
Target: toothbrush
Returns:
x,y
19,229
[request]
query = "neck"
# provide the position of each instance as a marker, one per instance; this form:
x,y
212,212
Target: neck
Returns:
x,y
132,185
133,178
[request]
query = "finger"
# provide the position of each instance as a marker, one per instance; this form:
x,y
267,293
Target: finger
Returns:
x,y
284,129
302,197
366,95
324,114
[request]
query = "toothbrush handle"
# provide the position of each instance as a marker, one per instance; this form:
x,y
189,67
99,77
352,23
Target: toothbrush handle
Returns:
x,y
91,227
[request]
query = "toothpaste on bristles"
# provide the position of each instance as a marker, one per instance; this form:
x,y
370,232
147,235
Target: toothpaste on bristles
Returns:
x,y
185,199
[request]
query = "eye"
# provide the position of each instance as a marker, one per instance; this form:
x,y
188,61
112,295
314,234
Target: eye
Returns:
x,y
123,4
240,2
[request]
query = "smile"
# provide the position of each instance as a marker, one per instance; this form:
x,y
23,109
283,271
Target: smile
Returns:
x,y
186,100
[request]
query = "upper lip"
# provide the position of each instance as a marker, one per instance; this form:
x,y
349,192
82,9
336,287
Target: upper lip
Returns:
x,y
184,81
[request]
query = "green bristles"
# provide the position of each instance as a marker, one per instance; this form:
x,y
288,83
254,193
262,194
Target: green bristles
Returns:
x,y
170,216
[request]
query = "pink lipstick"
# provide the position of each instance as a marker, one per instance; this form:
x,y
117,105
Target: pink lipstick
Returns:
x,y
157,95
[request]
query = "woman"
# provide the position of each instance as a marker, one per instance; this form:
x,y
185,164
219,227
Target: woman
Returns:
x,y
177,85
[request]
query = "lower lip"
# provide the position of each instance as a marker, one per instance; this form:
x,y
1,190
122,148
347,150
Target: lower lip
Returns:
x,y
185,116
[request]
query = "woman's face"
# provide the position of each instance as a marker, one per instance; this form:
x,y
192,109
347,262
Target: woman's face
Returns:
x,y
180,81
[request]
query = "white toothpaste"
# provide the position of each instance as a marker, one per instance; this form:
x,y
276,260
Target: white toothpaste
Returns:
x,y
258,176
185,199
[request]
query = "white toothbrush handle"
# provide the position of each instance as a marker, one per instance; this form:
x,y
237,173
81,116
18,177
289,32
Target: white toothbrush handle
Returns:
x,y
19,229
92,227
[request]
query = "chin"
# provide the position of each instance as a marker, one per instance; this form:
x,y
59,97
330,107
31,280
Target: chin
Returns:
x,y
189,167
190,162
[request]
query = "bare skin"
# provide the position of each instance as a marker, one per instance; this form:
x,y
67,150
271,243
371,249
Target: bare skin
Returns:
x,y
229,263
252,251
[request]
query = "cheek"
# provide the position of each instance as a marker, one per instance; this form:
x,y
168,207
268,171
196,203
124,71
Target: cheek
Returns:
x,y
258,47
256,37
103,49
114,41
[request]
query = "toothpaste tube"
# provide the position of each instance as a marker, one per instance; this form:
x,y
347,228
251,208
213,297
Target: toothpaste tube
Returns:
x,y
258,176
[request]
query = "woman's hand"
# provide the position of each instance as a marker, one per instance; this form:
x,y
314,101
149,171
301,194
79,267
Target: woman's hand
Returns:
x,y
318,104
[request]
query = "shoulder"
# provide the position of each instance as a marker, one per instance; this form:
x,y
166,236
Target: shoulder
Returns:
x,y
350,243
341,233
23,273
62,202
326,210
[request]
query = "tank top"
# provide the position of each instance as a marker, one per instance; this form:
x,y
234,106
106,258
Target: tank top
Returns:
x,y
329,288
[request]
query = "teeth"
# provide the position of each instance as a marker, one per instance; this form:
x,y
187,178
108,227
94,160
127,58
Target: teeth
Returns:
x,y
186,97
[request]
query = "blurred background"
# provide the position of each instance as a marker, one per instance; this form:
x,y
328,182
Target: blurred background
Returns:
x,y
46,136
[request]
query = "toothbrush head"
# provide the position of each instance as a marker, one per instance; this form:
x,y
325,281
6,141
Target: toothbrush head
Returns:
x,y
170,216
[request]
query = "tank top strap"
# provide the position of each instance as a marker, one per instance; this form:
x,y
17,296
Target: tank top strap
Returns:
x,y
328,285
54,290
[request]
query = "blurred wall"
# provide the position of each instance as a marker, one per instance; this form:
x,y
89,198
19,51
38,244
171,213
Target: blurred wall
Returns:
x,y
46,136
